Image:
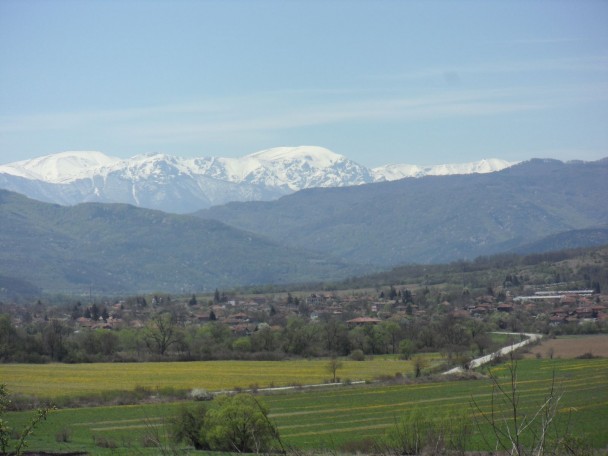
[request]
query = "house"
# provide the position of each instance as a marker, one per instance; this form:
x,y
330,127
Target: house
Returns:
x,y
480,311
315,300
585,312
557,320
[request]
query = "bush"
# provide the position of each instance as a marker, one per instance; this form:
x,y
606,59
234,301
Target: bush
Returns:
x,y
200,394
239,423
64,435
188,427
417,433
104,442
587,355
357,355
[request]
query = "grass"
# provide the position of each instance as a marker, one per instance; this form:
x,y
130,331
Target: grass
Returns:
x,y
329,418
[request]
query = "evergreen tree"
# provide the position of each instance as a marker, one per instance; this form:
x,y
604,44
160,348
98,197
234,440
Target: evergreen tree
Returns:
x,y
94,312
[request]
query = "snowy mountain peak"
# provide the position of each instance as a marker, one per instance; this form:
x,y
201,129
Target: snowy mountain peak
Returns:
x,y
320,157
394,172
60,167
176,184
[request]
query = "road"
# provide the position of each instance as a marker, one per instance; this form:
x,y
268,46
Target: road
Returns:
x,y
503,351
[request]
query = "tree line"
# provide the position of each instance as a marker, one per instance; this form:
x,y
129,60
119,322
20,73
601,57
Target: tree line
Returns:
x,y
164,338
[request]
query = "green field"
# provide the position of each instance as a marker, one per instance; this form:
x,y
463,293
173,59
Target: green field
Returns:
x,y
329,417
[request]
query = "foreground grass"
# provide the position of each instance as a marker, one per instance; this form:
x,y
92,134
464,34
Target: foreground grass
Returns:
x,y
330,418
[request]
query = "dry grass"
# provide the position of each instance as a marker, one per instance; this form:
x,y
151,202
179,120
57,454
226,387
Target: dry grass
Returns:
x,y
568,347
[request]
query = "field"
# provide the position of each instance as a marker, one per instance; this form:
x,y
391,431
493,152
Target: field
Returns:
x,y
56,380
330,417
572,346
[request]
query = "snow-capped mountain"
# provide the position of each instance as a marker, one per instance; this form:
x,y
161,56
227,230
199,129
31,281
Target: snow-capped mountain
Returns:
x,y
394,172
181,185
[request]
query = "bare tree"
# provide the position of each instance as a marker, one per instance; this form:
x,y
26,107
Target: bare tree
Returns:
x,y
518,432
161,333
333,366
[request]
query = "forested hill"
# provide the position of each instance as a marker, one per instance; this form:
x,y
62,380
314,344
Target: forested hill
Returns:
x,y
116,248
433,219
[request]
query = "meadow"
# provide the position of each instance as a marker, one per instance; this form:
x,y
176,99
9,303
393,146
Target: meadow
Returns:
x,y
56,380
329,418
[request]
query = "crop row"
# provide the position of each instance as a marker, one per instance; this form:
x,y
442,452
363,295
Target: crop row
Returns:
x,y
328,418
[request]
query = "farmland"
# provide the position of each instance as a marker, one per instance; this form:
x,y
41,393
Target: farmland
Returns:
x,y
572,346
57,380
329,418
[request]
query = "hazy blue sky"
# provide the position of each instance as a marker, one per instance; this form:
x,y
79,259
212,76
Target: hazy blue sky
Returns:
x,y
379,81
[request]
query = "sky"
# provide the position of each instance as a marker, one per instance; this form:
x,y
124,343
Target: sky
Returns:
x,y
379,81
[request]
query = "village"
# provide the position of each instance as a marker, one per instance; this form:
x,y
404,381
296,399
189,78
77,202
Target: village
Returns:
x,y
244,315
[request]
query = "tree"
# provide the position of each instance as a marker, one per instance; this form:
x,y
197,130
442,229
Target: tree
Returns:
x,y
8,338
392,294
420,363
239,423
264,339
391,331
94,312
406,348
188,427
6,431
332,367
192,301
161,333
53,339
336,336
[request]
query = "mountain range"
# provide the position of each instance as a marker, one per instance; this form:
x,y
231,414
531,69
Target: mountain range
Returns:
x,y
316,234
433,219
183,185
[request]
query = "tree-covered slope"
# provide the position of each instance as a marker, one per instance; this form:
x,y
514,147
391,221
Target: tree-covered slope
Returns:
x,y
433,219
119,248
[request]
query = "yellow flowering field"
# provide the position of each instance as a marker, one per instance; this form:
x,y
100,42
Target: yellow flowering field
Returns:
x,y
54,380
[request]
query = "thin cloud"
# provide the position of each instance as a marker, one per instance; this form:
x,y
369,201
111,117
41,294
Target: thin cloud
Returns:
x,y
278,111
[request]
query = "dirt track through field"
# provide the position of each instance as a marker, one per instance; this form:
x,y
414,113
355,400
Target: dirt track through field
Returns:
x,y
568,347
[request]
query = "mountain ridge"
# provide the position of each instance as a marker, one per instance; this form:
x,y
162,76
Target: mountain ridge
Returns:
x,y
435,218
182,185
314,235
119,248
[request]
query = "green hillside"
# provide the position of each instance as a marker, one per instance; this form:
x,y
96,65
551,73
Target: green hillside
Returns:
x,y
120,248
436,218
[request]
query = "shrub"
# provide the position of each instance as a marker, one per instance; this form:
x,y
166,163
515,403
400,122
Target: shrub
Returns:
x,y
200,394
239,423
64,435
104,442
357,355
587,355
418,433
188,427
